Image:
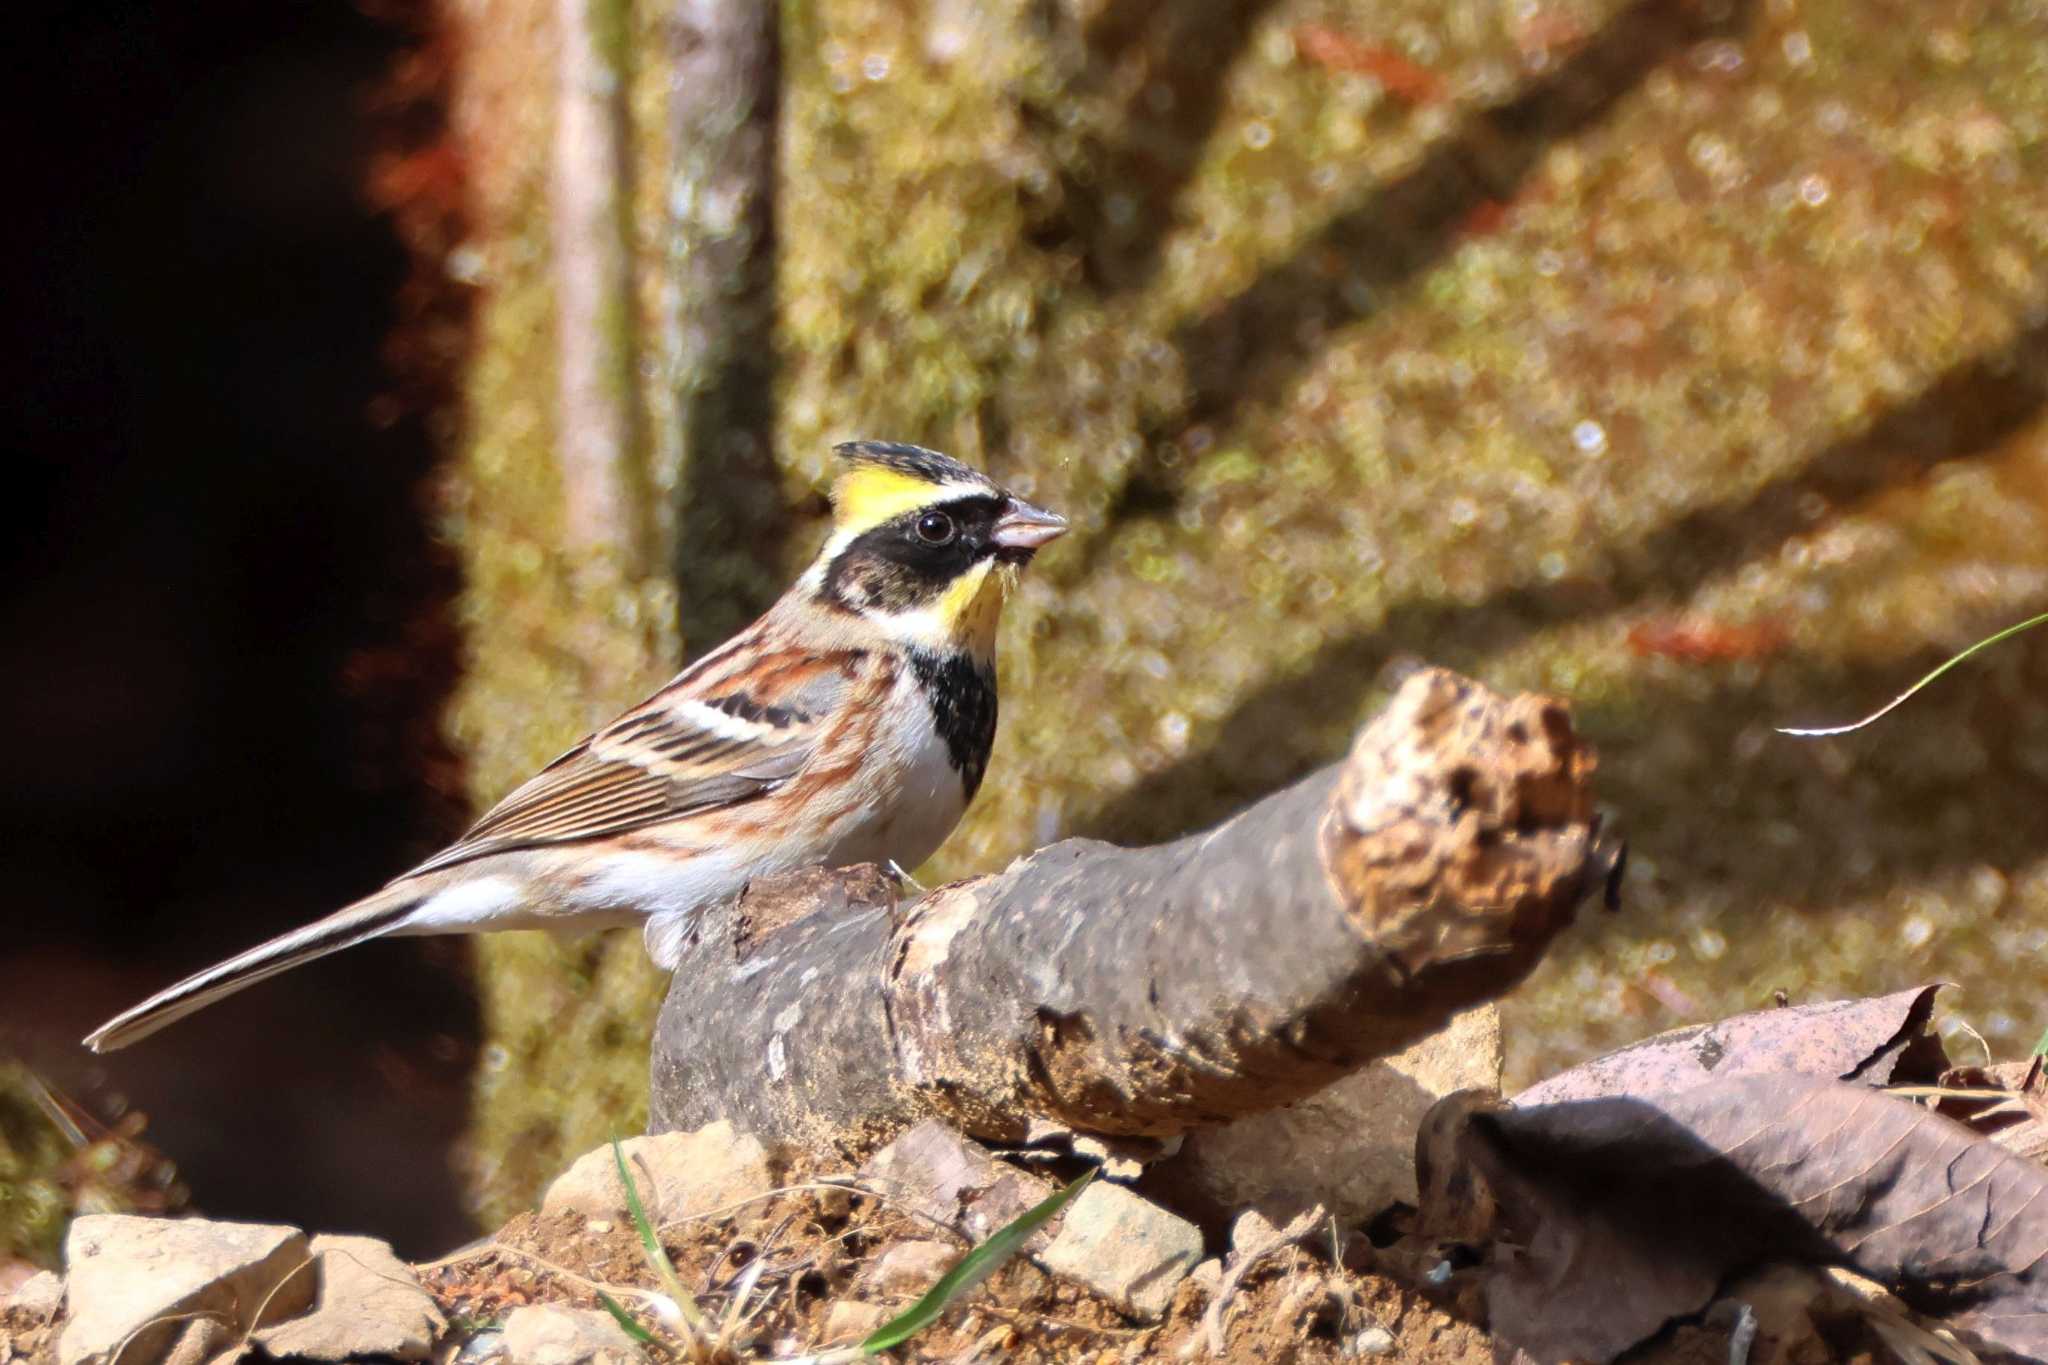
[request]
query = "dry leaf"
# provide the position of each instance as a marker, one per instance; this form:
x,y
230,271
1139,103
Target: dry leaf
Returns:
x,y
1879,1041
1619,1213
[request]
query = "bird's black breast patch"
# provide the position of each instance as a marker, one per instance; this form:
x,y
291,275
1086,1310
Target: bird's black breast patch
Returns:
x,y
962,694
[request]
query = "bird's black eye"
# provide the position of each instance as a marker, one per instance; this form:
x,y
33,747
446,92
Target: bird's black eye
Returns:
x,y
936,528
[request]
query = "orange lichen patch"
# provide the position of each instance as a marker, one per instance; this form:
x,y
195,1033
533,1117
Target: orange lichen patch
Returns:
x,y
1401,78
1487,217
1696,640
399,180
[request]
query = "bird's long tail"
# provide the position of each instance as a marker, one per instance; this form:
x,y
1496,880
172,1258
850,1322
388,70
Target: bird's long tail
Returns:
x,y
352,924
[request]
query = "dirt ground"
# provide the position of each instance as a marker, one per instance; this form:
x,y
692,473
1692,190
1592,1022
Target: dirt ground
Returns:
x,y
820,1247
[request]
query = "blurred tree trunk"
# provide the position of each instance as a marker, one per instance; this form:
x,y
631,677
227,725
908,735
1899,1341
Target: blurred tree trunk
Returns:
x,y
619,281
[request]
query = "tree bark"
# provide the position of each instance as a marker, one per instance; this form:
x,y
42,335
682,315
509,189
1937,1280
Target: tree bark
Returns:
x,y
605,503
568,609
718,314
605,201
1148,991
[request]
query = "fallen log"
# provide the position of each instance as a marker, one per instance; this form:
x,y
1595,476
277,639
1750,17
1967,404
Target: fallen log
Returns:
x,y
1144,992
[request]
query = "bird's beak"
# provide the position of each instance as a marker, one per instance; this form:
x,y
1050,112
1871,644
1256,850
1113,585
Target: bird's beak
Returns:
x,y
1024,528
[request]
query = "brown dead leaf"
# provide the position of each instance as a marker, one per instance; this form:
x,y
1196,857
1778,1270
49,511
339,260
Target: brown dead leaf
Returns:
x,y
1879,1041
1620,1213
2007,1103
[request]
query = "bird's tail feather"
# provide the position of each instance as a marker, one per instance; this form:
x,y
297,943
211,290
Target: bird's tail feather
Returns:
x,y
366,919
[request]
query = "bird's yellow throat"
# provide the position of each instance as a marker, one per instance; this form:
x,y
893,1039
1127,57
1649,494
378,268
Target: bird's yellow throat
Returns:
x,y
972,607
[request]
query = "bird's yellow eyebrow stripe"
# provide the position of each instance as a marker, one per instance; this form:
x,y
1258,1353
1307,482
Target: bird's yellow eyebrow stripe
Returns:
x,y
868,496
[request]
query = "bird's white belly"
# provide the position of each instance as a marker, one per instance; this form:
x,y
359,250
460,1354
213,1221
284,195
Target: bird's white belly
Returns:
x,y
916,797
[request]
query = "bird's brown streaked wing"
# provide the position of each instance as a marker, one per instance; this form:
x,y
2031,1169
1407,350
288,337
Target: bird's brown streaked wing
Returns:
x,y
688,748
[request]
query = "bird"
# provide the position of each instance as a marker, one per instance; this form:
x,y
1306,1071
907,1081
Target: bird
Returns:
x,y
851,723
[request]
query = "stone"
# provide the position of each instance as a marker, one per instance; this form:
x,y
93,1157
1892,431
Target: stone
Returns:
x,y
933,1171
14,1273
1125,1248
201,1341
910,1268
550,1334
1109,1239
368,1303
135,1280
1374,1340
1351,1145
849,1321
38,1296
1252,1233
485,1347
677,1174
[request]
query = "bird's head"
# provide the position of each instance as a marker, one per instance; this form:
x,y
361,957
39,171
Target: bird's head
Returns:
x,y
925,547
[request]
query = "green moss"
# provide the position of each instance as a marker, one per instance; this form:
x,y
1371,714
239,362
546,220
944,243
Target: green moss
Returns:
x,y
50,1171
1328,379
1246,319
556,646
35,1205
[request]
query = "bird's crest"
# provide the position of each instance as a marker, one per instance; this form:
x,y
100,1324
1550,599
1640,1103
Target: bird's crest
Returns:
x,y
883,480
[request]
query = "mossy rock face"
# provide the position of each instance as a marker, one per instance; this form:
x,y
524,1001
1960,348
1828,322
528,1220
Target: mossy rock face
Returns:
x,y
557,643
1688,362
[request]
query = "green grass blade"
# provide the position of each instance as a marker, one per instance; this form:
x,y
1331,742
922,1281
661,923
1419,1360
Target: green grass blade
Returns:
x,y
1881,712
976,1266
625,1320
657,1254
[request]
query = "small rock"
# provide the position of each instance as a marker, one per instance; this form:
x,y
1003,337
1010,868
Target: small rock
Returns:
x,y
677,1175
1371,1341
1252,1233
38,1296
1208,1276
1125,1248
137,1280
910,1268
369,1303
849,1321
1351,1145
934,1171
549,1334
14,1273
487,1345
